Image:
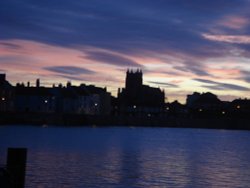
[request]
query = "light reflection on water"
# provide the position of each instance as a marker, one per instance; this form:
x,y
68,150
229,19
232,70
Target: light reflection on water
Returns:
x,y
131,157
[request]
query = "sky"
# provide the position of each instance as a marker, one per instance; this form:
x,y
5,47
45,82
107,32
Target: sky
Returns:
x,y
181,46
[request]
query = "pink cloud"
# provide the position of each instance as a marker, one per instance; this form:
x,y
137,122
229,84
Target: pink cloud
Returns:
x,y
237,39
234,22
25,60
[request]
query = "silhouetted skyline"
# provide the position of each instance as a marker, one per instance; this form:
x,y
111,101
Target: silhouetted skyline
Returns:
x,y
136,104
181,46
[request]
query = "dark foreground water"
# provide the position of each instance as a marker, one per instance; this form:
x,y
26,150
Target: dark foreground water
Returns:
x,y
61,157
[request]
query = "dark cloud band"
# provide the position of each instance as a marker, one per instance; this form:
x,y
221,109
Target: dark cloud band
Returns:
x,y
221,86
69,70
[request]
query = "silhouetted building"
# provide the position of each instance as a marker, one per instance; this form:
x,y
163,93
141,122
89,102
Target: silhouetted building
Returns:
x,y
34,99
205,105
6,95
137,98
66,100
176,109
71,99
99,99
203,101
91,100
240,108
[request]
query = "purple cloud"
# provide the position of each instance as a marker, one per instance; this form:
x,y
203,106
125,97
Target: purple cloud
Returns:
x,y
112,59
10,45
221,86
245,75
193,67
164,84
69,70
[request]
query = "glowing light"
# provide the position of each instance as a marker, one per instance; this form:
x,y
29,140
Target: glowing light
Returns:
x,y
238,107
46,101
200,110
134,106
3,99
223,112
96,104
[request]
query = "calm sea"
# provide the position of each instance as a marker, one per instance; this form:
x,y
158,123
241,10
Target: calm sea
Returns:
x,y
60,157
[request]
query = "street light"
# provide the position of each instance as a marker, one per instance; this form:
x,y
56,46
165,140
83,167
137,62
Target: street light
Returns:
x,y
3,99
134,106
96,108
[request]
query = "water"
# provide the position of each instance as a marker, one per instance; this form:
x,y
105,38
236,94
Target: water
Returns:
x,y
130,157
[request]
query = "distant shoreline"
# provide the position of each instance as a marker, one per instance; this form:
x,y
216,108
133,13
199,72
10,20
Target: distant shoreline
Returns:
x,y
122,120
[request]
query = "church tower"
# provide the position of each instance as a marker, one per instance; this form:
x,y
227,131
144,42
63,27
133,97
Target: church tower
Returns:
x,y
133,79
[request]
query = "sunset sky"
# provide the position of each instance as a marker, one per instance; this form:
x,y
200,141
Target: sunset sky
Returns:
x,y
182,46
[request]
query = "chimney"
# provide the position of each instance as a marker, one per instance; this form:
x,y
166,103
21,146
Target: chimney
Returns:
x,y
37,82
2,77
